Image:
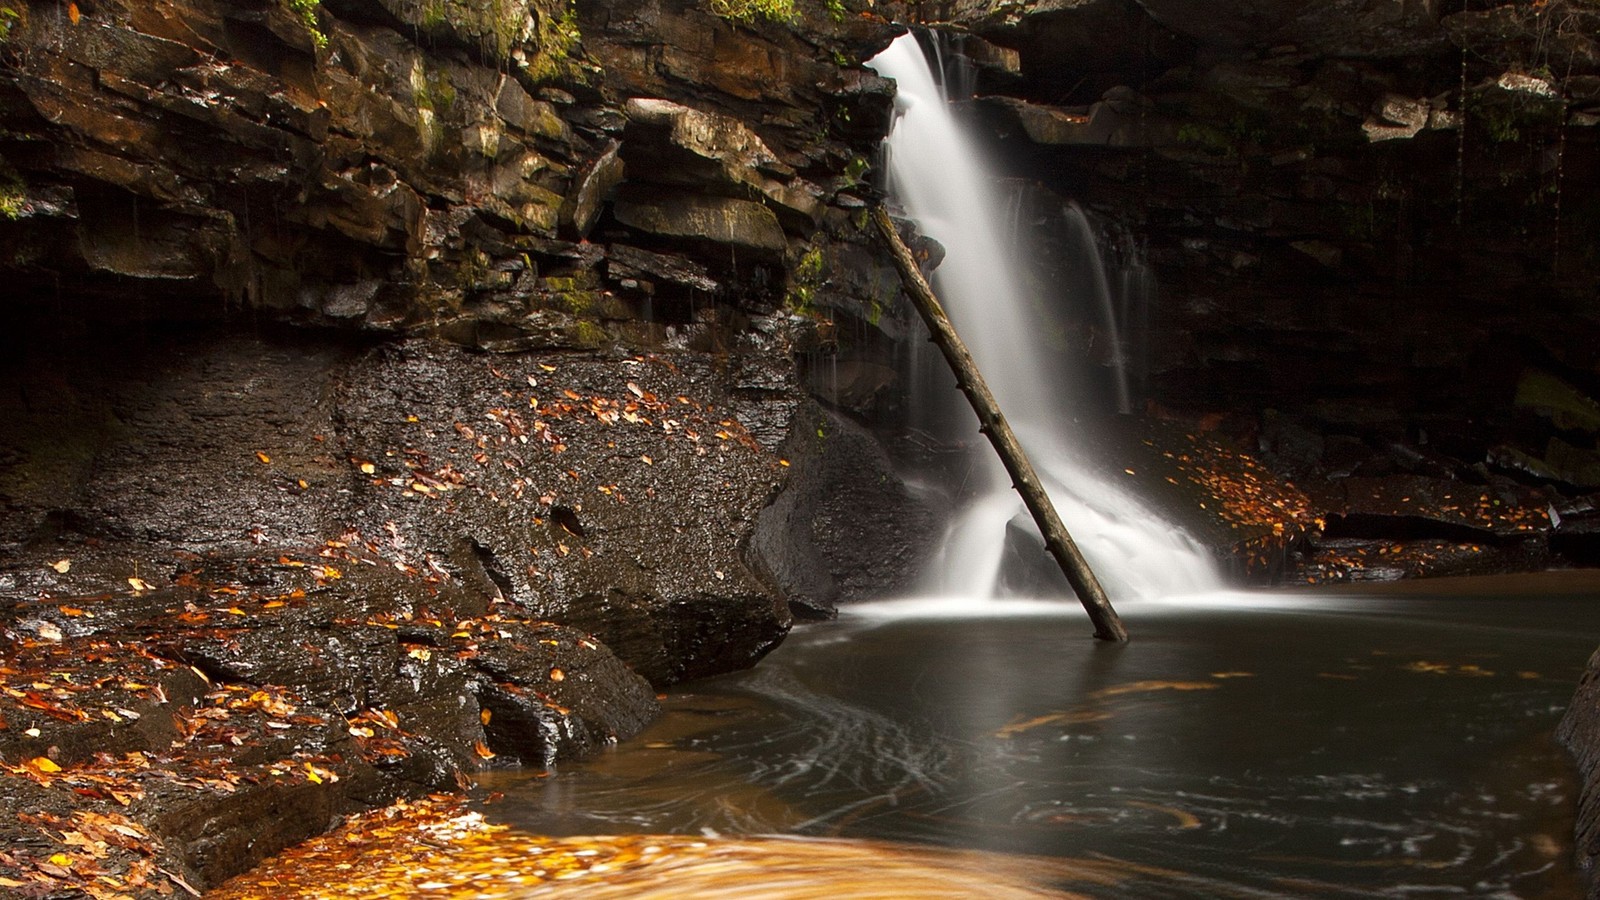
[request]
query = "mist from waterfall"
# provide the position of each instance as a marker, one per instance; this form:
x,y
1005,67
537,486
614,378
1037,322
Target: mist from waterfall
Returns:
x,y
945,187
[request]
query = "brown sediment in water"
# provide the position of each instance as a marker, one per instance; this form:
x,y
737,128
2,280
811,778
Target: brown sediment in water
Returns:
x,y
437,847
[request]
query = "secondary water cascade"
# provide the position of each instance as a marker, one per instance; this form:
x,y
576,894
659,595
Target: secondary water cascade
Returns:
x,y
945,187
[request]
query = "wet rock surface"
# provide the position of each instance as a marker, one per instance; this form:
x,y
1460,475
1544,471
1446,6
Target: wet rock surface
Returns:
x,y
1580,733
405,168
260,583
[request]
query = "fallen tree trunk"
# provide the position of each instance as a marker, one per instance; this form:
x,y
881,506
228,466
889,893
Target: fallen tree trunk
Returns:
x,y
1108,625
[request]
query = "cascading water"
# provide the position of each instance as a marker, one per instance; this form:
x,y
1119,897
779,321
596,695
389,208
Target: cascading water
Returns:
x,y
1088,249
944,186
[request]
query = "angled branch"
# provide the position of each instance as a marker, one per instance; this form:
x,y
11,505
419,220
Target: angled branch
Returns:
x,y
1108,625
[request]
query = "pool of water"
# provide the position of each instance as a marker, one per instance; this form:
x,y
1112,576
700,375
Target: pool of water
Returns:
x,y
1391,743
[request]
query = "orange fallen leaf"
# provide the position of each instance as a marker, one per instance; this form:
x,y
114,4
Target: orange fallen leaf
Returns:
x,y
265,459
74,15
1139,687
482,750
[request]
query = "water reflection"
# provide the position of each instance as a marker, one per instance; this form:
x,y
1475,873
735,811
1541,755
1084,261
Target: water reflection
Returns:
x,y
1352,745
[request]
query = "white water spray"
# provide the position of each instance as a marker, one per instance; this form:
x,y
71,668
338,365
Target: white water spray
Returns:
x,y
944,186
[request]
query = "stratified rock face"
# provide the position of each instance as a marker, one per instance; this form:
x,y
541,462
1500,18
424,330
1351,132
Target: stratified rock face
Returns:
x,y
429,167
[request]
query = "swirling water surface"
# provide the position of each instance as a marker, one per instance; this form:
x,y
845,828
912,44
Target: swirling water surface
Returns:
x,y
1239,745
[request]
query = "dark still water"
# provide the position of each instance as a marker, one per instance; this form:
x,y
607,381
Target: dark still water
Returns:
x,y
1375,744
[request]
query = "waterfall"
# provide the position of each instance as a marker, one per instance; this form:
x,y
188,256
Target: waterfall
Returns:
x,y
1088,250
944,185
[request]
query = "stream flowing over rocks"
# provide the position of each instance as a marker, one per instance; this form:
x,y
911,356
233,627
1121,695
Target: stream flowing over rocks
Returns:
x,y
394,389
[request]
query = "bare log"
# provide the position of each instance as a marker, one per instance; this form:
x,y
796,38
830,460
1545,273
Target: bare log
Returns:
x,y
1108,625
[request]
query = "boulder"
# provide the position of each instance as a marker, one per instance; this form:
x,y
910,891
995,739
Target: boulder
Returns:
x,y
1579,732
851,528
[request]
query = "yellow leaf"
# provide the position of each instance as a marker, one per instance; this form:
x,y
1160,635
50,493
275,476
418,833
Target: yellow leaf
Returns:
x,y
1140,687
265,459
1185,821
484,715
61,859
44,764
62,566
1071,717
138,584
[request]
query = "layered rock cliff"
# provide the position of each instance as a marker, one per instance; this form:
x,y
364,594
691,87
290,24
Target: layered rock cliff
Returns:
x,y
399,389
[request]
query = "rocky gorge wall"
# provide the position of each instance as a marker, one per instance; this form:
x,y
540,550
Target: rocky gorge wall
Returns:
x,y
508,361
395,390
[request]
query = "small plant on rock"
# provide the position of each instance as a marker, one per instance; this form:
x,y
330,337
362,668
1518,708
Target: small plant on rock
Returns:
x,y
307,11
746,11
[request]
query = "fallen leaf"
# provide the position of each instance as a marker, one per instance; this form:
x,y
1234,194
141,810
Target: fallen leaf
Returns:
x,y
1186,821
74,15
138,584
43,764
1139,687
265,459
557,675
482,750
63,566
1071,717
